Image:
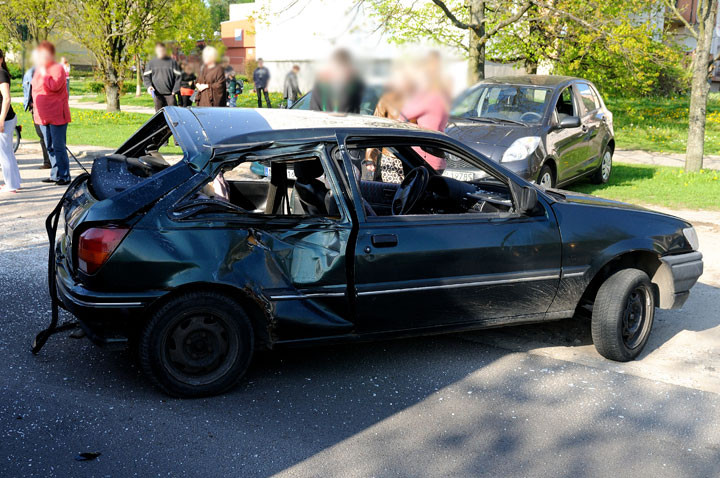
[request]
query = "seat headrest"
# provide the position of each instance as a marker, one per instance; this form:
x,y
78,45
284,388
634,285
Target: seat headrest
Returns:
x,y
307,170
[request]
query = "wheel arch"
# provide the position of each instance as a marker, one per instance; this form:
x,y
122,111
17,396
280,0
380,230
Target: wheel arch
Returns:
x,y
551,162
642,259
253,306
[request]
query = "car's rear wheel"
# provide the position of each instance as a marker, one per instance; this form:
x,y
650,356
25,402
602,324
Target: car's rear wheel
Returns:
x,y
602,174
546,177
198,344
623,315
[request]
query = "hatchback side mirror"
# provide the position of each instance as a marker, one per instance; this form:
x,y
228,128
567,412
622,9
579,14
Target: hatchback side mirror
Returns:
x,y
569,122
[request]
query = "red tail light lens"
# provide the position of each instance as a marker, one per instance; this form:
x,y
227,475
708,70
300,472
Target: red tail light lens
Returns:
x,y
96,245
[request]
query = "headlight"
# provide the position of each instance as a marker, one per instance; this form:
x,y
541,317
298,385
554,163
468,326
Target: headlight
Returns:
x,y
521,148
692,237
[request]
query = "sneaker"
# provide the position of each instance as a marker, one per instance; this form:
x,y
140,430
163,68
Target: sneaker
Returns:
x,y
48,180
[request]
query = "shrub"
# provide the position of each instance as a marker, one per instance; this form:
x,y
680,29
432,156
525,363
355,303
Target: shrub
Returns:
x,y
95,86
250,66
16,72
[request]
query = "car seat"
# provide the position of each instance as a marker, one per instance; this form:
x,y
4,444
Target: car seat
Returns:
x,y
309,189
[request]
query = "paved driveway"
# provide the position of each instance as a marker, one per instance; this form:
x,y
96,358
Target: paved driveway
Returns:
x,y
523,401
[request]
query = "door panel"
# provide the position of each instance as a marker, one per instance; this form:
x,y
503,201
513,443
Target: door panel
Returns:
x,y
567,143
592,128
422,271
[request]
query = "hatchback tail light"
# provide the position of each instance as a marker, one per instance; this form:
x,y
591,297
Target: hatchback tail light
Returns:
x,y
96,245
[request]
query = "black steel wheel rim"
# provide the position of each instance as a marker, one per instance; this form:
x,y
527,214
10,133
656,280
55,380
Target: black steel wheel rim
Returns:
x,y
199,348
635,317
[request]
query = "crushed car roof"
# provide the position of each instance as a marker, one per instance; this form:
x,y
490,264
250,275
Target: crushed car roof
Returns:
x,y
224,126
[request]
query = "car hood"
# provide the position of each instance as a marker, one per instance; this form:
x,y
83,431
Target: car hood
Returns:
x,y
572,197
502,134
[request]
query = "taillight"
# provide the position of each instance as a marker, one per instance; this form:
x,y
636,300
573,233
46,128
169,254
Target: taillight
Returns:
x,y
96,245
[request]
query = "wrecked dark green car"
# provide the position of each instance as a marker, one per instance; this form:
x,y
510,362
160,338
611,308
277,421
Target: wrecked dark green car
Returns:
x,y
196,264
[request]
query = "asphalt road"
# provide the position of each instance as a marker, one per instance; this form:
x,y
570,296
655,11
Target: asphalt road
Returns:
x,y
533,401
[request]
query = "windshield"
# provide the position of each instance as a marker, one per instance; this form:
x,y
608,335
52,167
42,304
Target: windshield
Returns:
x,y
512,103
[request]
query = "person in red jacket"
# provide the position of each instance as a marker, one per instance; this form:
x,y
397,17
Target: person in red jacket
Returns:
x,y
51,110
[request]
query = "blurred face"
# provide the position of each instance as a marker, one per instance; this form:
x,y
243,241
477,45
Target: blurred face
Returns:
x,y
43,57
160,51
260,64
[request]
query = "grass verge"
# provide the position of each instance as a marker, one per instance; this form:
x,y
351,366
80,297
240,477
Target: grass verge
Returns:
x,y
659,185
661,124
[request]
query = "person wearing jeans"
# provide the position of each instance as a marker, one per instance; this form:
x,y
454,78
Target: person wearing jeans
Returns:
x,y
27,104
51,110
8,120
261,78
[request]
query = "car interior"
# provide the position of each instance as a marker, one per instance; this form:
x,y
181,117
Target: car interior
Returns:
x,y
565,106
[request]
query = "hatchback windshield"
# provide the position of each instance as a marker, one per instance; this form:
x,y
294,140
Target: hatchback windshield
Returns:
x,y
512,103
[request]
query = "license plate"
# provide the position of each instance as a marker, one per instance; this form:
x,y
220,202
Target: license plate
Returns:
x,y
290,173
460,175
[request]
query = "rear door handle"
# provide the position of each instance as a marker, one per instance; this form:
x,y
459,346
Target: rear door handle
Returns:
x,y
384,240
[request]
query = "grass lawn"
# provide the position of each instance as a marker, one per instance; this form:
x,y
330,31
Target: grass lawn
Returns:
x,y
247,100
95,128
659,185
661,124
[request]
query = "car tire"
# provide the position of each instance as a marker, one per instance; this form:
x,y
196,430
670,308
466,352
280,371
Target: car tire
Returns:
x,y
602,174
546,177
623,315
217,345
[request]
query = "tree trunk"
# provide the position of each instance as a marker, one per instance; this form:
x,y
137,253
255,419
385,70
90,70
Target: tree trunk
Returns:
x,y
138,77
707,14
112,96
476,61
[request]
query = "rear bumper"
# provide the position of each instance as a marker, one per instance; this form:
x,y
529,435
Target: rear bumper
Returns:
x,y
108,319
684,271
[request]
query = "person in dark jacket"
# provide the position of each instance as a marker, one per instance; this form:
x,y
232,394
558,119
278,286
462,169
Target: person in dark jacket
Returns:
x,y
261,78
187,85
338,88
28,106
291,90
211,86
162,78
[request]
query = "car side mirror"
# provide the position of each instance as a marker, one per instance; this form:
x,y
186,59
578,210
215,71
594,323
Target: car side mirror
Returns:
x,y
569,122
527,199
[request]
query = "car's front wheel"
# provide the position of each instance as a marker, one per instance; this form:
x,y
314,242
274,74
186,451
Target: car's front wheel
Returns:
x,y
602,174
546,178
623,315
197,344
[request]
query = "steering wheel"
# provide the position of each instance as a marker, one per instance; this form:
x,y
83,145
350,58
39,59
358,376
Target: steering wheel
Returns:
x,y
530,116
410,191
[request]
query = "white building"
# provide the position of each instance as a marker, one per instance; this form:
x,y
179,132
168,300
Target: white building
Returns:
x,y
306,32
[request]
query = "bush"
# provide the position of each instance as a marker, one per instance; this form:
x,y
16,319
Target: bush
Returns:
x,y
16,72
95,87
250,66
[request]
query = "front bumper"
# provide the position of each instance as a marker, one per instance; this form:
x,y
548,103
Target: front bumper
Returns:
x,y
681,272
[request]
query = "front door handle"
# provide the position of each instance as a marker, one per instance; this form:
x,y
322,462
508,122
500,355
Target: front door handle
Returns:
x,y
384,240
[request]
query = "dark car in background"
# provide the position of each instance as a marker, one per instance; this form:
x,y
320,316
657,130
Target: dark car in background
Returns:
x,y
551,130
199,275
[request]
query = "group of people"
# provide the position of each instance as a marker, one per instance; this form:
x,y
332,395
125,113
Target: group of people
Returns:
x,y
45,90
171,85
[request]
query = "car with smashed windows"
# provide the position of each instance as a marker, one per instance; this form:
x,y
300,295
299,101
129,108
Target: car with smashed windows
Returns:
x,y
552,130
196,265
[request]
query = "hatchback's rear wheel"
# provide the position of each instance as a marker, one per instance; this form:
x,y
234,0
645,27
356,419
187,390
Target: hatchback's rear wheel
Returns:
x,y
197,344
623,315
602,174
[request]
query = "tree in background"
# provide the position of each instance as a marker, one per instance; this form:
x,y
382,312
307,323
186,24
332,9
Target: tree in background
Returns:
x,y
702,61
114,31
465,24
617,43
220,11
27,22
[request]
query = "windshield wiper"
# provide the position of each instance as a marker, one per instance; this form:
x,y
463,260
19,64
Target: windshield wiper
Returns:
x,y
486,119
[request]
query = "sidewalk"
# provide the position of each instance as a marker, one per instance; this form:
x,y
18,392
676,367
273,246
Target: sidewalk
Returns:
x,y
661,159
75,102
